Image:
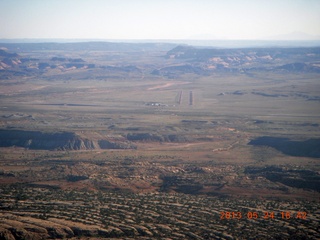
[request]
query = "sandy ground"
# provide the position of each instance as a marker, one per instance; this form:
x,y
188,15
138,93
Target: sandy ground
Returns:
x,y
166,85
19,88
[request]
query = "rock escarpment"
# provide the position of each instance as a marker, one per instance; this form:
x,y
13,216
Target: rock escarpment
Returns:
x,y
54,141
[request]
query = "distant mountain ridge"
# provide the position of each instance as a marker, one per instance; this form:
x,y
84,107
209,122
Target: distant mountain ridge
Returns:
x,y
295,36
180,59
87,46
242,59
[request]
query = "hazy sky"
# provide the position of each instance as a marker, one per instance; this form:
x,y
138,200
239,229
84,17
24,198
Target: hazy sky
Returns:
x,y
157,19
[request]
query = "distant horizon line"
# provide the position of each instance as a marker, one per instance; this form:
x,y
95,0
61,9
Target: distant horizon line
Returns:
x,y
157,39
219,43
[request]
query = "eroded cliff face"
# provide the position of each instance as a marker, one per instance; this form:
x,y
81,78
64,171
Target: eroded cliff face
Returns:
x,y
54,141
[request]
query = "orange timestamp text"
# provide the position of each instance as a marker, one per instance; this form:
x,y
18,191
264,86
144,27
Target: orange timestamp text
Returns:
x,y
224,215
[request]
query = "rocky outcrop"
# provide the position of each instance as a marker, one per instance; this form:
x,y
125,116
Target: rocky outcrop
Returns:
x,y
14,227
297,178
307,148
42,140
6,54
152,137
105,144
54,141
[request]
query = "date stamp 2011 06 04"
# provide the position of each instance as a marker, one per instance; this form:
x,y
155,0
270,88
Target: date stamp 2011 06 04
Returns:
x,y
224,215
